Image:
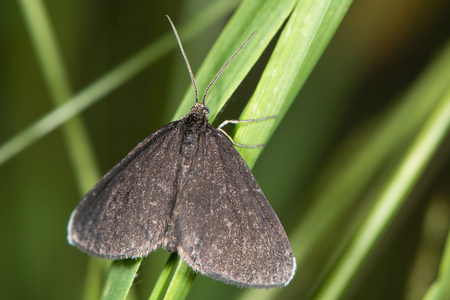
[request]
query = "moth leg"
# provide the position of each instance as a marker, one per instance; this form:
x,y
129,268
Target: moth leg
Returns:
x,y
242,121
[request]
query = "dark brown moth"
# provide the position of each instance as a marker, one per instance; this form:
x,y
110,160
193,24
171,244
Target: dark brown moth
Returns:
x,y
185,188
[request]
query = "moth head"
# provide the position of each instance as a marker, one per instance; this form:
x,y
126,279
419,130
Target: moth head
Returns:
x,y
199,110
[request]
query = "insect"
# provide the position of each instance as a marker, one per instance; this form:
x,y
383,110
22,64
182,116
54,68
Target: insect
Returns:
x,y
185,188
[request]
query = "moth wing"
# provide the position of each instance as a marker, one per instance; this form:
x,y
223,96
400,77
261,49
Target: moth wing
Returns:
x,y
125,214
229,230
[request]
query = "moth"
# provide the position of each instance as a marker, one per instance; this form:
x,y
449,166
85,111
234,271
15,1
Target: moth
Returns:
x,y
185,188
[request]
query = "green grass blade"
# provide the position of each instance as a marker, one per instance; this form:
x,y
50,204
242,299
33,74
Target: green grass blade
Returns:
x,y
120,278
55,74
302,42
164,277
181,282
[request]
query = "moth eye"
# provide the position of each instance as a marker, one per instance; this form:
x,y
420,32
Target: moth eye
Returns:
x,y
207,110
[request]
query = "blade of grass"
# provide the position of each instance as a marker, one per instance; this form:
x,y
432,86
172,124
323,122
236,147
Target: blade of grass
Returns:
x,y
120,278
164,277
55,74
302,42
390,200
113,79
181,282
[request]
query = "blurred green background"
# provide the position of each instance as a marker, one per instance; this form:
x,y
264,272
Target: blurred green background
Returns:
x,y
378,54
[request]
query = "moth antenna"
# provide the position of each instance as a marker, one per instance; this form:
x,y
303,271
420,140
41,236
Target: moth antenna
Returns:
x,y
225,65
185,59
